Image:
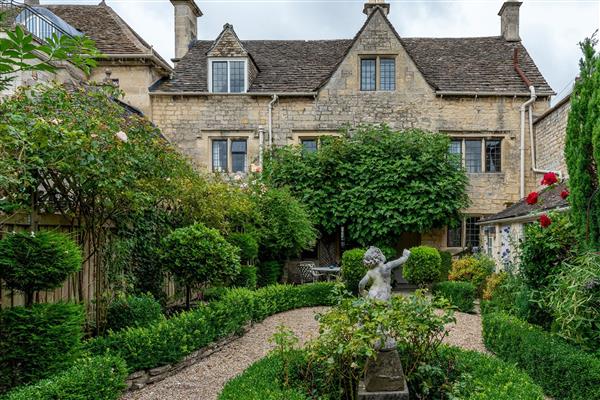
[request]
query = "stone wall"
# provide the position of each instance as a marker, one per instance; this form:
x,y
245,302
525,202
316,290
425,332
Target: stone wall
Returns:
x,y
192,121
550,133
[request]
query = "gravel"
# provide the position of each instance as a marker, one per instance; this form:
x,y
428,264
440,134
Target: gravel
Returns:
x,y
466,333
205,380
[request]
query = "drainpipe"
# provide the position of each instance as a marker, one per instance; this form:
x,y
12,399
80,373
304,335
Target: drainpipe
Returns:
x,y
271,120
524,107
261,145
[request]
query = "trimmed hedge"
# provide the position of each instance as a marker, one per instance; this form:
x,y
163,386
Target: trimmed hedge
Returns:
x,y
564,371
423,266
477,377
98,378
460,294
168,341
353,269
133,311
37,342
269,272
247,277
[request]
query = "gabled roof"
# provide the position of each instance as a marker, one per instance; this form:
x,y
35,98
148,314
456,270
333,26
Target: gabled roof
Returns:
x,y
549,199
113,36
449,65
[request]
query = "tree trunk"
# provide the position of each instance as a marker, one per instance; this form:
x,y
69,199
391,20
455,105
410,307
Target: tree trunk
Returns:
x,y
187,296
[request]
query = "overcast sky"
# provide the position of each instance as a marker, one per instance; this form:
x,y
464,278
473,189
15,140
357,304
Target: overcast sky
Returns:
x,y
550,29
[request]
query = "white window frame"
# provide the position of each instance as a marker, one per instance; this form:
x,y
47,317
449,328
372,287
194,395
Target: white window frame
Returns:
x,y
228,59
229,166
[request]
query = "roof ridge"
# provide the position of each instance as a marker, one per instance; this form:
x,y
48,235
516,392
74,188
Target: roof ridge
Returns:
x,y
128,30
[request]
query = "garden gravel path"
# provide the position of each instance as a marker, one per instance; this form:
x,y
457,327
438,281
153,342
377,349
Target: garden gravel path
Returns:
x,y
466,332
205,380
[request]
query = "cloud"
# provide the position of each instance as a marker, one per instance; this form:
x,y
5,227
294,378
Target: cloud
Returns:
x,y
550,29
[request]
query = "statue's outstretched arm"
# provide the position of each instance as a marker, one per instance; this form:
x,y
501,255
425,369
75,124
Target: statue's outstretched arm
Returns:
x,y
363,284
396,263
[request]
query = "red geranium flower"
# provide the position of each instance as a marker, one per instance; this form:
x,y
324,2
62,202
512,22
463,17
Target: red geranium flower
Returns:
x,y
545,221
564,194
549,179
532,198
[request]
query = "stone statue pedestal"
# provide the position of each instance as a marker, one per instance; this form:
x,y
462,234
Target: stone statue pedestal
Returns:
x,y
384,378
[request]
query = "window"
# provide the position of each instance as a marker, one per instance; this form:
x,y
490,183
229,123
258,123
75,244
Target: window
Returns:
x,y
388,74
372,68
219,155
368,75
466,235
228,76
309,145
229,155
238,155
478,155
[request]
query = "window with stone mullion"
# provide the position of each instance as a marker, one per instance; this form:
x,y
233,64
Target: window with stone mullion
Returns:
x,y
388,74
220,77
368,74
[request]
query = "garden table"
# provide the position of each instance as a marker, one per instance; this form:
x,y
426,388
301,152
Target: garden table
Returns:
x,y
328,270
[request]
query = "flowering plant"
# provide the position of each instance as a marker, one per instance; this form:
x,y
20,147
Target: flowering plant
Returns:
x,y
549,179
545,221
532,198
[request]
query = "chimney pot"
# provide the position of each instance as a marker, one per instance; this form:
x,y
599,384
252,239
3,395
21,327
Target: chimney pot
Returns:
x,y
372,5
186,26
509,20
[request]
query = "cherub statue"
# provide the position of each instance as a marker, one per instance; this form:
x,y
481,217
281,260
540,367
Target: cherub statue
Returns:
x,y
380,273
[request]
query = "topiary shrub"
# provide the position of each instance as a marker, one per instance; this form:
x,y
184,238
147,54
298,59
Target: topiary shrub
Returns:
x,y
247,244
460,294
98,378
133,311
247,277
37,342
198,255
353,269
33,261
269,273
423,266
446,265
472,269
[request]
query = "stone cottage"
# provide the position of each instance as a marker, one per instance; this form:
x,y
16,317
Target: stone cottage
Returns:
x,y
229,99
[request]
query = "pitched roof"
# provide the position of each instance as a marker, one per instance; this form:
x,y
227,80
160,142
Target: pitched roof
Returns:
x,y
549,199
482,64
113,36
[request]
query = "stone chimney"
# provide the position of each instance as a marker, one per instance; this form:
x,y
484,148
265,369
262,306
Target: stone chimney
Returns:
x,y
371,5
509,14
186,26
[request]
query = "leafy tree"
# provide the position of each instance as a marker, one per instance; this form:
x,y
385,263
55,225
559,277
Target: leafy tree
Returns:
x,y
20,52
198,255
582,146
378,182
31,261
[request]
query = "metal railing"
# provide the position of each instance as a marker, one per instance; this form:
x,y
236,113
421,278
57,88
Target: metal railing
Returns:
x,y
32,20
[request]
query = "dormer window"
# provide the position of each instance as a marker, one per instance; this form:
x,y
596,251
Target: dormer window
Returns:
x,y
227,75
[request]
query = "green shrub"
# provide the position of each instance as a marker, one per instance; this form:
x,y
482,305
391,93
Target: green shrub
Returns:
x,y
97,378
133,311
37,342
353,269
564,371
446,265
168,341
473,269
388,251
198,255
247,277
269,273
423,266
484,377
574,301
492,283
30,262
460,294
247,244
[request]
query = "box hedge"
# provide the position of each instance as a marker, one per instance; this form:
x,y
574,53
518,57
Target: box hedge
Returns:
x,y
98,378
564,371
460,294
133,311
353,268
168,341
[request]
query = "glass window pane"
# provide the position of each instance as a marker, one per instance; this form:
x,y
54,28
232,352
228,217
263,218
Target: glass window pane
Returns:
x,y
388,74
367,74
309,145
493,155
238,155
219,76
473,155
456,147
454,237
237,77
472,232
219,155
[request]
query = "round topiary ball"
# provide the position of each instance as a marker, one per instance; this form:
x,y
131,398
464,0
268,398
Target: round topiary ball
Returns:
x,y
423,266
34,261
